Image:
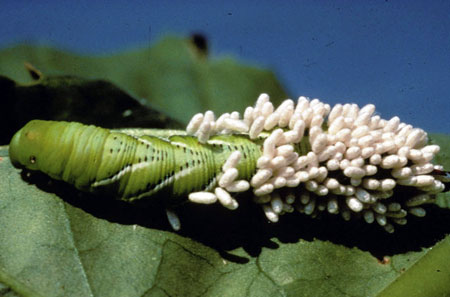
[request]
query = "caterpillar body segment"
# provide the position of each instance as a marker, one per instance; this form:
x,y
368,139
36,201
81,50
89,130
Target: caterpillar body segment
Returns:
x,y
95,159
53,147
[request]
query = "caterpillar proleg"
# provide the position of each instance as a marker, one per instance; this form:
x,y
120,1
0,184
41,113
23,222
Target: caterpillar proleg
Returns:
x,y
303,156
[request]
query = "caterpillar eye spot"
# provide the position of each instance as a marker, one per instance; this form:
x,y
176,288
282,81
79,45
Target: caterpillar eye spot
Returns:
x,y
32,159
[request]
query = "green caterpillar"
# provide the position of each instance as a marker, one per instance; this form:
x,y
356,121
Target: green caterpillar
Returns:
x,y
94,159
303,156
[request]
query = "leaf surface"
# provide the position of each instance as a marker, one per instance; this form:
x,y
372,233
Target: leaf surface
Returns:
x,y
51,247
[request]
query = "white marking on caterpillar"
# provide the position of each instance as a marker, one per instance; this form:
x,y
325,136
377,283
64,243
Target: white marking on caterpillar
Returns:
x,y
164,183
142,140
211,185
118,175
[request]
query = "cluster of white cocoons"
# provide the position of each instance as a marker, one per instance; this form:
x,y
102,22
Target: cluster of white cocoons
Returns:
x,y
355,162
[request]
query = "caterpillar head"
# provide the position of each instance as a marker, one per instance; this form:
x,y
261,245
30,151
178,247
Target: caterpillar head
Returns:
x,y
32,145
25,145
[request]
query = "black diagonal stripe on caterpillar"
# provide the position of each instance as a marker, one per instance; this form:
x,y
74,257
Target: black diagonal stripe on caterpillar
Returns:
x,y
304,156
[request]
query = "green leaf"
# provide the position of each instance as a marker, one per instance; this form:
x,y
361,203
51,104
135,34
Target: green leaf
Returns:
x,y
172,76
6,291
428,277
52,247
443,158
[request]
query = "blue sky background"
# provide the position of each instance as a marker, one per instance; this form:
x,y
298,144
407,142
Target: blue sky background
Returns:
x,y
395,54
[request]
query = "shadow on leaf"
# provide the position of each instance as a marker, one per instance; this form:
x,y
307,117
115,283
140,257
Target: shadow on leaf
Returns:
x,y
247,227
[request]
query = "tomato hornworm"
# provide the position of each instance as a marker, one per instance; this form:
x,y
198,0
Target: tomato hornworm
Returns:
x,y
303,156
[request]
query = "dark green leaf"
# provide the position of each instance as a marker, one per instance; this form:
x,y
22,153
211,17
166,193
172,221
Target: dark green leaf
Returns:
x,y
69,98
172,76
